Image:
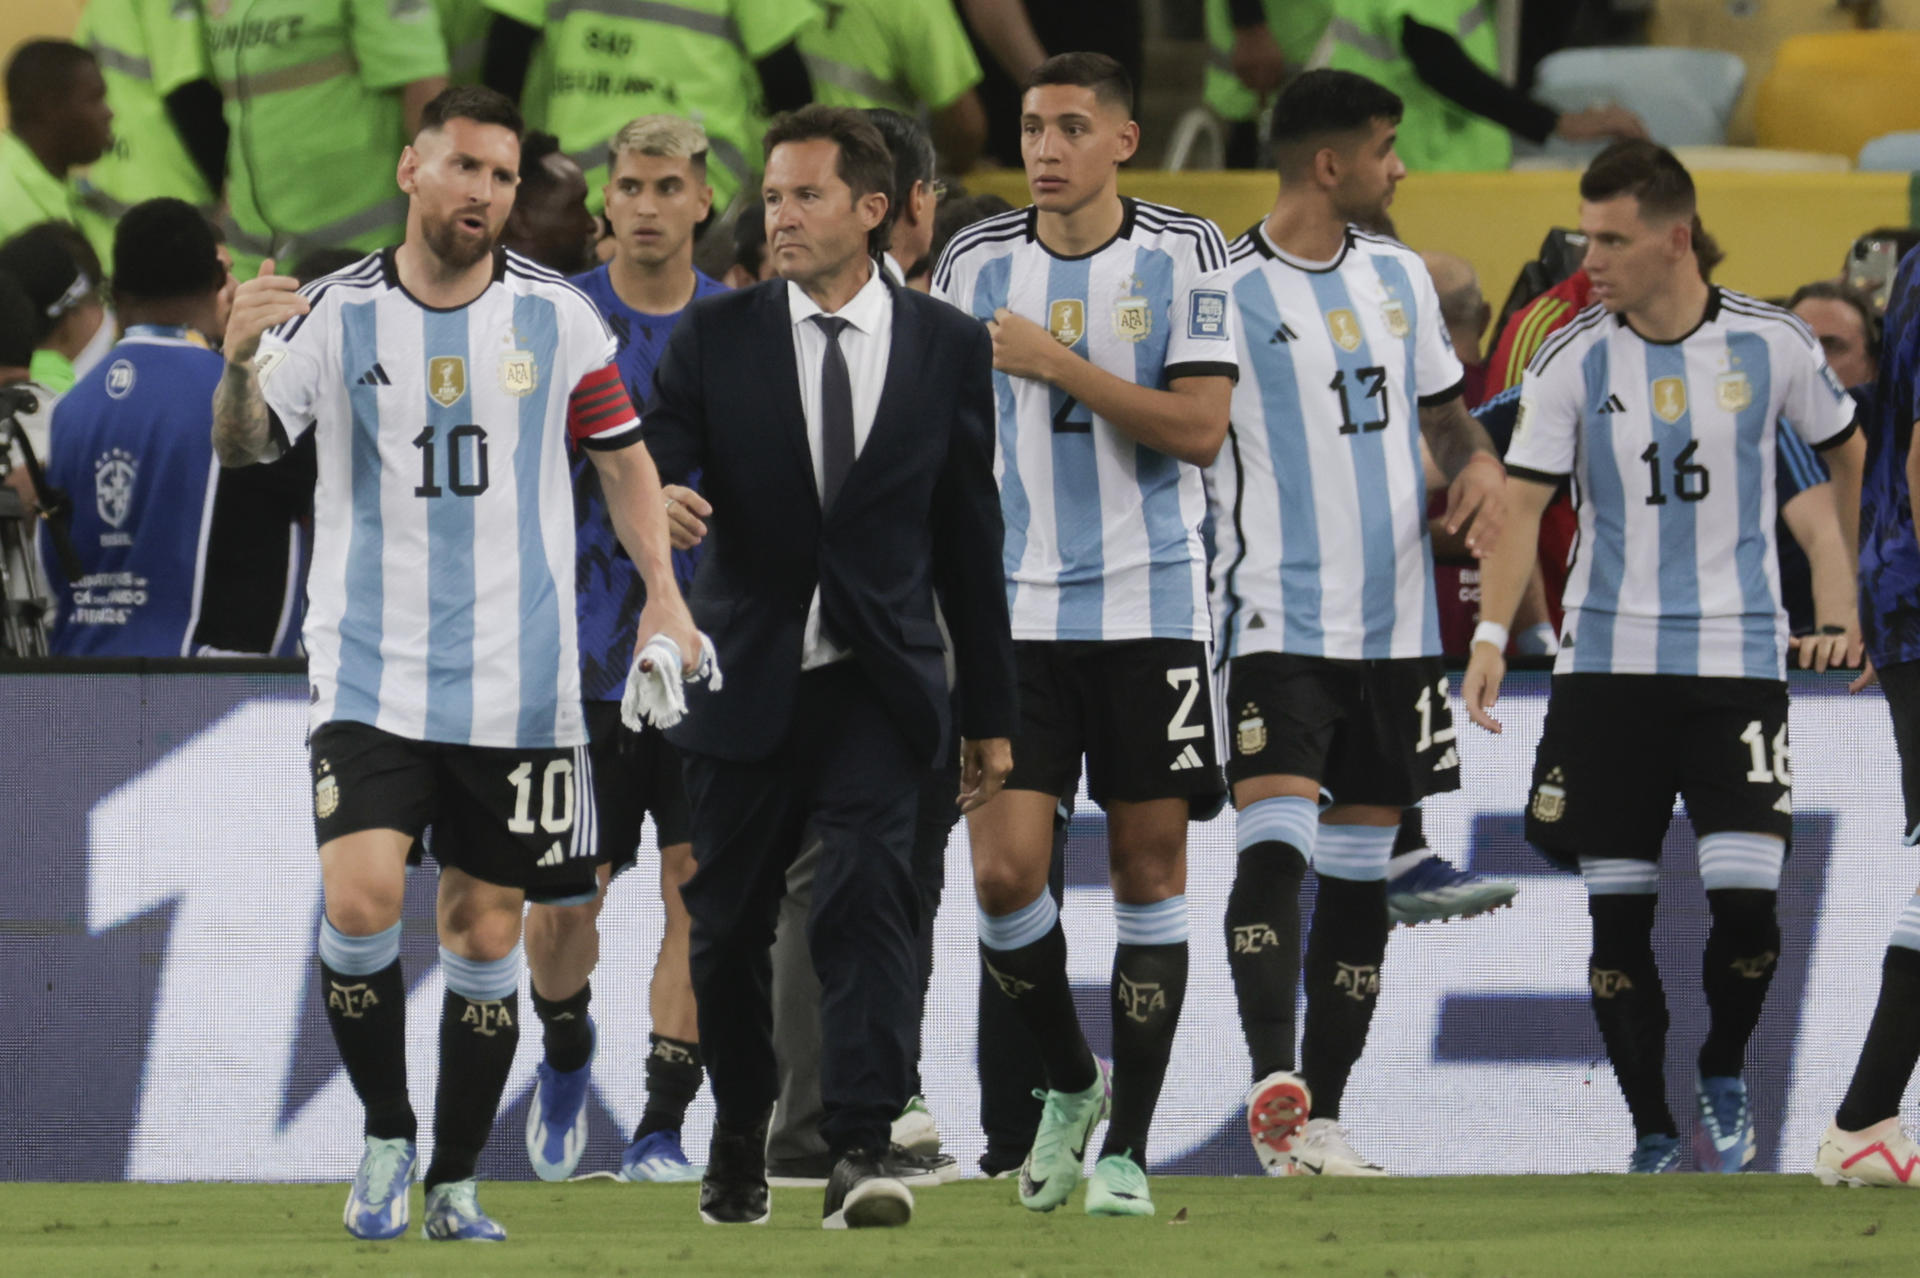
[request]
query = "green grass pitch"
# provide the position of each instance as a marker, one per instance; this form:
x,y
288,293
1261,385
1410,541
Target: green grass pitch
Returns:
x,y
1612,1226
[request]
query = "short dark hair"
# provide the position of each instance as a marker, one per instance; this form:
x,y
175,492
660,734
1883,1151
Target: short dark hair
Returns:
x,y
1323,104
474,102
1706,250
1841,291
912,152
957,213
164,249
535,147
22,326
1104,75
1644,170
47,262
864,163
750,237
38,74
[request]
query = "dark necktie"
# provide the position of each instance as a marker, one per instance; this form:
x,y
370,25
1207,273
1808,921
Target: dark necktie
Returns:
x,y
836,412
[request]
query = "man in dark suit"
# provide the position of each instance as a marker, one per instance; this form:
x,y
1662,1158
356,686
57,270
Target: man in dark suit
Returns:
x,y
844,427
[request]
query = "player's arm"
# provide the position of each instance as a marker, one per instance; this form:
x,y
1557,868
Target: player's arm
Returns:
x,y
1847,461
1503,581
1476,491
639,512
1813,519
242,427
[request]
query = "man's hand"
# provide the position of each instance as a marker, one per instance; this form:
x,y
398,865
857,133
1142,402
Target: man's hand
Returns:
x,y
1595,123
669,616
259,304
1478,495
1021,348
686,515
1830,646
1481,688
1256,60
984,766
1867,677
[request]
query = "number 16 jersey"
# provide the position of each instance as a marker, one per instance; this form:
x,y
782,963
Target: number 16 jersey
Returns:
x,y
1319,500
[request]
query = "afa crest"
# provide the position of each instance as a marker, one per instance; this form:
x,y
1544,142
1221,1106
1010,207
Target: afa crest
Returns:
x,y
1344,327
1669,399
1132,319
446,379
1067,320
1395,315
1251,735
326,797
519,374
1550,798
1733,391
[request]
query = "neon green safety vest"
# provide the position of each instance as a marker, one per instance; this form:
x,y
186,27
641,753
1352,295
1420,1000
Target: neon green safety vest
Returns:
x,y
463,25
146,50
1435,134
313,103
1296,26
613,60
29,195
885,53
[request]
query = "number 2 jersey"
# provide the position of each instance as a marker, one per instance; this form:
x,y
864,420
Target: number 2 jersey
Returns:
x,y
441,599
1670,447
1319,500
1103,533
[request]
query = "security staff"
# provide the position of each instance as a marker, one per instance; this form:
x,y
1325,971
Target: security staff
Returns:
x,y
1253,46
881,53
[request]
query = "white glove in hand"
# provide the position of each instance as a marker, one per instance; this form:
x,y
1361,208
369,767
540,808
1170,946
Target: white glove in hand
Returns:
x,y
658,697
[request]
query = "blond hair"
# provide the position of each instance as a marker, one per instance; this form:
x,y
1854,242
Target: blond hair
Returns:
x,y
665,136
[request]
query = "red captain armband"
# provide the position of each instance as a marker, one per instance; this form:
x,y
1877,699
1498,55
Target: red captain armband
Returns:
x,y
599,412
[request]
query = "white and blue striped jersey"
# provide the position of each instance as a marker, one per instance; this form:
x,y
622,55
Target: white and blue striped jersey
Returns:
x,y
441,600
1671,448
1319,503
1103,533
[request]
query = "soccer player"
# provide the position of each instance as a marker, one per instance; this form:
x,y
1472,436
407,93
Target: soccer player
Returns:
x,y
443,379
1866,1145
1114,373
1660,404
1323,595
656,194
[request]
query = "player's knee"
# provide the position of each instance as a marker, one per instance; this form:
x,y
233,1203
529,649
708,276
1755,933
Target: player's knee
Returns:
x,y
552,929
1003,885
676,865
482,934
362,909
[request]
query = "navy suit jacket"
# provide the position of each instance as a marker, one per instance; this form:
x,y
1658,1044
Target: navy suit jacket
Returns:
x,y
919,513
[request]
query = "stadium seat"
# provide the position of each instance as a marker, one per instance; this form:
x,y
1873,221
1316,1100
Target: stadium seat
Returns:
x,y
1891,153
1686,96
1835,91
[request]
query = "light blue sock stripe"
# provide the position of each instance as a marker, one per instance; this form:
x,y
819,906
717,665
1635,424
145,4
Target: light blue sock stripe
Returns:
x,y
1355,852
1906,929
1287,819
358,955
1022,927
1162,923
1741,860
482,980
1619,876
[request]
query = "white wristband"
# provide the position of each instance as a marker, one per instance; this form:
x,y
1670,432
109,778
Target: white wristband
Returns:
x,y
1491,632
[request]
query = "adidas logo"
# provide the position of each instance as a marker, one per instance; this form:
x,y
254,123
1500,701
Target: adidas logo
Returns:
x,y
1784,803
1189,758
556,855
1282,335
1614,404
1258,623
1451,759
375,376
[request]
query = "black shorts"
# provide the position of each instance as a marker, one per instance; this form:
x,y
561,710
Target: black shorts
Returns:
x,y
513,817
635,774
1901,683
1378,733
1139,710
1616,749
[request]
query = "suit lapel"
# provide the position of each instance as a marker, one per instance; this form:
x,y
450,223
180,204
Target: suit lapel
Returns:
x,y
783,381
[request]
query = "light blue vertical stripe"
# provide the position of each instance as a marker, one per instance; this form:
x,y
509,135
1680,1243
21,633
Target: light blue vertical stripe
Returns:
x,y
1279,387
1378,569
1606,495
450,531
1760,659
1170,559
538,330
990,290
1394,276
1678,648
1078,520
357,696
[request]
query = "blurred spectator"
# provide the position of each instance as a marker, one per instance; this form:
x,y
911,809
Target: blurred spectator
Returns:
x,y
320,96
463,26
957,212
57,121
730,64
1255,46
55,265
911,202
169,136
905,56
751,261
550,222
1842,317
1015,36
1443,57
323,261
177,555
1464,310
20,326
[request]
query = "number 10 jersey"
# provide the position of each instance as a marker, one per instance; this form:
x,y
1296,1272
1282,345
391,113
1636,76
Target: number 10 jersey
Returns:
x,y
441,598
1318,496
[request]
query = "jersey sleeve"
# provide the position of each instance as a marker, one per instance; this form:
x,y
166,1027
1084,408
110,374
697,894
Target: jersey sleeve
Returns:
x,y
940,63
1202,342
600,413
953,280
288,367
1546,425
1796,468
765,25
1435,365
396,42
1817,406
176,45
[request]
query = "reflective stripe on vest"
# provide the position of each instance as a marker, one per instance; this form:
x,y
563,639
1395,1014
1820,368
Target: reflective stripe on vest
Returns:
x,y
844,75
670,15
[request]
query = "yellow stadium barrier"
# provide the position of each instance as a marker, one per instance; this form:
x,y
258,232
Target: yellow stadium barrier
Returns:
x,y
1779,230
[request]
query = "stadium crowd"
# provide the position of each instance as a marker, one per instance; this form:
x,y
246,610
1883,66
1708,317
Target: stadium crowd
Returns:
x,y
1242,498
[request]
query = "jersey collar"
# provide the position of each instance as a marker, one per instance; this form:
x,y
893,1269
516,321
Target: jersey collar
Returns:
x,y
390,270
1268,249
1708,316
1126,229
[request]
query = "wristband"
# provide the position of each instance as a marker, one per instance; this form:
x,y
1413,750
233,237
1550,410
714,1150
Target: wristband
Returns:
x,y
1491,632
1833,630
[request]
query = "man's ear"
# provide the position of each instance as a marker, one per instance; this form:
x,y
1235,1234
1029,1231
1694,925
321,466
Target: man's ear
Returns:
x,y
407,173
873,209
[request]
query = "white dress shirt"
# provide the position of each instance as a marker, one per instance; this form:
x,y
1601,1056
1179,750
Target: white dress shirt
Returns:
x,y
865,342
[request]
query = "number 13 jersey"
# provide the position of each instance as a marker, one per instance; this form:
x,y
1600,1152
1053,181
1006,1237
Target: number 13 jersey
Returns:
x,y
1319,501
1670,448
441,598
